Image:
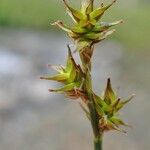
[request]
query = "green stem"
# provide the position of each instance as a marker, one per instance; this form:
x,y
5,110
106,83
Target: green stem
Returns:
x,y
95,124
86,62
94,119
98,143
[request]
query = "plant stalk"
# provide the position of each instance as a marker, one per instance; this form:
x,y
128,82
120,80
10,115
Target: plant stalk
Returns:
x,y
95,125
86,64
98,143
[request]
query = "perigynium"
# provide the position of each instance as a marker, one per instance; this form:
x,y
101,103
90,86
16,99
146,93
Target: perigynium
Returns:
x,y
87,30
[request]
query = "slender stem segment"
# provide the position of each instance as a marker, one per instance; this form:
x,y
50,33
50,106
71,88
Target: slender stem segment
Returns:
x,y
95,125
98,143
94,117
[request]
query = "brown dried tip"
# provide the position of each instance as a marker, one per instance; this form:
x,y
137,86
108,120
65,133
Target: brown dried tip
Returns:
x,y
69,51
114,1
66,3
132,96
121,21
109,87
57,22
42,78
108,81
116,103
51,90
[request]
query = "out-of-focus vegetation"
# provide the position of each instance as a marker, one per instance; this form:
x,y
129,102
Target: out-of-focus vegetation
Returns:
x,y
135,32
39,13
29,13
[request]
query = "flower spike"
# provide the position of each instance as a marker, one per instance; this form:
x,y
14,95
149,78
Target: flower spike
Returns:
x,y
71,75
75,14
97,13
87,30
108,107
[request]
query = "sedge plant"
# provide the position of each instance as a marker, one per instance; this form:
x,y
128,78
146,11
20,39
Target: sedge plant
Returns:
x,y
87,30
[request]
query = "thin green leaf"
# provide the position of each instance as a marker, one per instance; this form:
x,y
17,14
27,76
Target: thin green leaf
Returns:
x,y
121,104
97,13
62,26
75,14
117,121
65,88
105,26
59,77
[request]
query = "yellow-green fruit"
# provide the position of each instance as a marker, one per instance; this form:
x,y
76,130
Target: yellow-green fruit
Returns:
x,y
71,75
86,25
108,107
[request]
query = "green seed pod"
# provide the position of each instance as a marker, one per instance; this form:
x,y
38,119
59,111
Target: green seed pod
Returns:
x,y
71,76
107,108
87,26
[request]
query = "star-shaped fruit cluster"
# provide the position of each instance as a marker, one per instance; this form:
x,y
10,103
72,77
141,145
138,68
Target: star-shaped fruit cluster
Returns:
x,y
87,30
70,76
108,107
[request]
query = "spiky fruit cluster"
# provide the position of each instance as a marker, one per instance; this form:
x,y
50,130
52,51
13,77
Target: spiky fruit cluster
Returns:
x,y
71,76
87,29
107,107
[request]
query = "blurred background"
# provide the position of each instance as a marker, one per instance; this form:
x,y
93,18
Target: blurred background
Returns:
x,y
31,118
